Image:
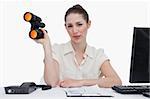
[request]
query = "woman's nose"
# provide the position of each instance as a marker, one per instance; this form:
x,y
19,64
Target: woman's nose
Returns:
x,y
75,30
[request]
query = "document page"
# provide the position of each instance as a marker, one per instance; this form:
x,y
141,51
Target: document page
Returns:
x,y
88,91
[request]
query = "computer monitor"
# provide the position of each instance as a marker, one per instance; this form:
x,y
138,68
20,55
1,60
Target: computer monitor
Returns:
x,y
140,58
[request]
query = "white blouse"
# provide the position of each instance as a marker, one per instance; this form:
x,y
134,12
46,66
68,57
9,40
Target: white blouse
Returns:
x,y
69,67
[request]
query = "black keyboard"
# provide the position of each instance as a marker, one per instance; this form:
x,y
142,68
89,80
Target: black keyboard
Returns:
x,y
132,89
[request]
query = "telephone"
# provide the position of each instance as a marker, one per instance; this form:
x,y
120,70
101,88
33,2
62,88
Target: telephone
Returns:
x,y
25,88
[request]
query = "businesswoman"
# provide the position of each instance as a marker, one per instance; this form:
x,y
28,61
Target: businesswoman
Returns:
x,y
75,63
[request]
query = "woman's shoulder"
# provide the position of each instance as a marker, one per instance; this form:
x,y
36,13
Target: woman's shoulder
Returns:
x,y
98,53
60,46
96,50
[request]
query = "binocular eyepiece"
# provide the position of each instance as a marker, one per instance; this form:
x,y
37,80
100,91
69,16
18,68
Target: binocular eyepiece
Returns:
x,y
36,23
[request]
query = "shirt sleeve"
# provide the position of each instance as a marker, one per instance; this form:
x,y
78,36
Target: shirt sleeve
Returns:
x,y
101,57
55,52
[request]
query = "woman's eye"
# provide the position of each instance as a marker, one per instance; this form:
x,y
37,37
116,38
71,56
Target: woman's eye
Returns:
x,y
69,26
79,24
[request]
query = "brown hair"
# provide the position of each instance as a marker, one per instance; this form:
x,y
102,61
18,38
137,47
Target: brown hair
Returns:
x,y
77,9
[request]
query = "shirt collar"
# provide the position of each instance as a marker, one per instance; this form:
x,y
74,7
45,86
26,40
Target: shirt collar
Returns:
x,y
89,51
69,49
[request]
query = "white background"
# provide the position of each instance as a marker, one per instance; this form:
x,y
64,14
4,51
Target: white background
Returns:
x,y
21,59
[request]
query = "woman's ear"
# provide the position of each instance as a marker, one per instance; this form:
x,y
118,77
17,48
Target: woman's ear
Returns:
x,y
89,23
65,25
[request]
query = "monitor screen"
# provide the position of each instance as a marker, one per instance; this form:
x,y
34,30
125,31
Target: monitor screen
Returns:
x,y
140,57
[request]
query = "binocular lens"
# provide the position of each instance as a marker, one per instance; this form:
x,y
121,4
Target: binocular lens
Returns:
x,y
27,16
33,34
36,34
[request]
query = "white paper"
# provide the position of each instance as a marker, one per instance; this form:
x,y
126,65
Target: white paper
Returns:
x,y
87,91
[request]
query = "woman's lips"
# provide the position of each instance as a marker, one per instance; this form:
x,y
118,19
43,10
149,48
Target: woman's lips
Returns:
x,y
77,37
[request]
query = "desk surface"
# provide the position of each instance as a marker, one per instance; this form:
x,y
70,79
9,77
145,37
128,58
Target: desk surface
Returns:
x,y
59,93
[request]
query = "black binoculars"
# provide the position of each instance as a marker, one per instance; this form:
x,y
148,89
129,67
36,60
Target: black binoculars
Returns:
x,y
36,24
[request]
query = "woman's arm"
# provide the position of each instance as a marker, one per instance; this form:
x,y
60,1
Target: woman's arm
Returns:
x,y
51,69
108,79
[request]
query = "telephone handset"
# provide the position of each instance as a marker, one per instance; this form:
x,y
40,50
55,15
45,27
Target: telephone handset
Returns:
x,y
28,84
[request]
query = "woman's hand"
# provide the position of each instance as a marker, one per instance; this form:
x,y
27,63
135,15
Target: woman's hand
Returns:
x,y
45,40
71,83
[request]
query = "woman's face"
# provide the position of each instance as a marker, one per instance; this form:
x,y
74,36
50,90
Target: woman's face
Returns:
x,y
77,27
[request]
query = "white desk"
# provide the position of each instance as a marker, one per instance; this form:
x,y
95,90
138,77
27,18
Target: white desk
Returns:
x,y
59,93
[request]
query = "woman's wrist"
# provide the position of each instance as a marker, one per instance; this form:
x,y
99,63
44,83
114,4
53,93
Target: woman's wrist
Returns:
x,y
82,82
88,82
46,45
